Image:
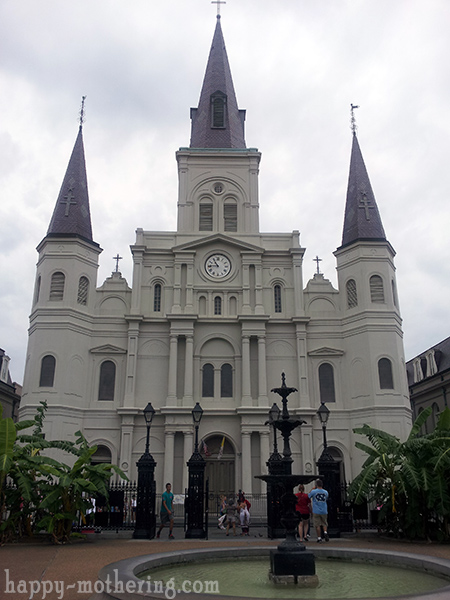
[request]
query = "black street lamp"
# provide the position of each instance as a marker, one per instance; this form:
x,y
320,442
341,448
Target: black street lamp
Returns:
x,y
195,501
145,526
328,470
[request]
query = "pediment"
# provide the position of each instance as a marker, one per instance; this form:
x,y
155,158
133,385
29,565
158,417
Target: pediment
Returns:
x,y
326,351
107,349
214,239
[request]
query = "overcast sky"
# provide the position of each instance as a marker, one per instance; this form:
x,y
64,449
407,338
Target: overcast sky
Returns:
x,y
297,66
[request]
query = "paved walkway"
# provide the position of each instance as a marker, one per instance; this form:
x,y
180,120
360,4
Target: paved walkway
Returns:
x,y
46,565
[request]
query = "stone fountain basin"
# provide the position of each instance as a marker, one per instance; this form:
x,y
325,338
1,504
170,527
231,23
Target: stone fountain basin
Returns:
x,y
129,569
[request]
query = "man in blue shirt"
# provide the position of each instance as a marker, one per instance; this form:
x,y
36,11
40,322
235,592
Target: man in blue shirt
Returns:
x,y
166,512
319,498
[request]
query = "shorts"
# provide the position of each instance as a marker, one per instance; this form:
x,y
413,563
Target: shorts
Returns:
x,y
165,518
319,520
304,516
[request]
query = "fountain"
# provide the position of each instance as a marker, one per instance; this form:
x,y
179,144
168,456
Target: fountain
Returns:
x,y
290,562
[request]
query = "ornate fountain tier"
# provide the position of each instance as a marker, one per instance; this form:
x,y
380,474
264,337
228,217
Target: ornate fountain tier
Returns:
x,y
290,562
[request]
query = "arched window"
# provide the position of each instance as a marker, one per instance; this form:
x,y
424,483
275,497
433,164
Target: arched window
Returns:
x,y
157,297
352,296
226,381
107,381
218,102
83,290
57,286
37,291
205,217
385,374
208,381
326,383
277,298
230,217
48,366
376,289
217,305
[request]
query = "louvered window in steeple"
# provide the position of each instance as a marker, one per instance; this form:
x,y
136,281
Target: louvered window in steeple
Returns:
x,y
218,103
230,217
57,286
83,290
206,217
352,296
376,289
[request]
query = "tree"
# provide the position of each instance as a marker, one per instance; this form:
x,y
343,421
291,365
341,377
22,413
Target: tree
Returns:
x,y
410,480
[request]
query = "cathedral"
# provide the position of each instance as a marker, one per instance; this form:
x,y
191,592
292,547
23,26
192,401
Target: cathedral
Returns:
x,y
216,312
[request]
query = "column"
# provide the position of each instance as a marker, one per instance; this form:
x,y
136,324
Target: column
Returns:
x,y
262,372
137,281
302,363
126,445
264,445
189,308
259,308
176,308
173,360
188,448
189,371
246,308
246,462
297,258
169,439
246,388
133,337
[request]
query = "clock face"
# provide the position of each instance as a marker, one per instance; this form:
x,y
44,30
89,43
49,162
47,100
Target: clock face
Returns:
x,y
217,266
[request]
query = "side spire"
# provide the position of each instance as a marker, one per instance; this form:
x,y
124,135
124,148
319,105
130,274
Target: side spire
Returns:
x,y
217,122
362,219
71,216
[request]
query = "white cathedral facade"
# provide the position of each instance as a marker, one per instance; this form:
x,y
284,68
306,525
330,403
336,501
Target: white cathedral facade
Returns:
x,y
216,312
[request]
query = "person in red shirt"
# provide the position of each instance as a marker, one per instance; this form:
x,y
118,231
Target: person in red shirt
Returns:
x,y
303,507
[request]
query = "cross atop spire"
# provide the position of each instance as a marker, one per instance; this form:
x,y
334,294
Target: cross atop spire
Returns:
x,y
218,2
81,114
353,125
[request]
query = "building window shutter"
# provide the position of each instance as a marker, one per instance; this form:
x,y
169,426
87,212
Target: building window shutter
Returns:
x,y
230,217
83,290
48,366
208,381
226,381
376,289
385,374
277,298
218,111
107,381
326,383
352,296
57,287
206,217
157,297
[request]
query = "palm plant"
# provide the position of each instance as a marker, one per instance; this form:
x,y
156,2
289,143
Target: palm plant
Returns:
x,y
409,479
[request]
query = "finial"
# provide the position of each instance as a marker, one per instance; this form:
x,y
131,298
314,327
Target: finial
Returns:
x,y
218,2
82,118
353,125
117,258
317,260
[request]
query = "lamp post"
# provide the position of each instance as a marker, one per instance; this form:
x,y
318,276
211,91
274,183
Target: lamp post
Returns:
x,y
328,470
195,501
146,489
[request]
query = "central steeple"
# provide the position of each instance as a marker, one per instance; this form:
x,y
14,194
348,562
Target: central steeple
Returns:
x,y
217,122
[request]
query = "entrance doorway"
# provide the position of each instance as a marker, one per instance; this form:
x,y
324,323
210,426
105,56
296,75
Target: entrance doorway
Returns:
x,y
220,471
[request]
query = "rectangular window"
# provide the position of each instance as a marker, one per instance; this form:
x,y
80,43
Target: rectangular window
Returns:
x,y
206,217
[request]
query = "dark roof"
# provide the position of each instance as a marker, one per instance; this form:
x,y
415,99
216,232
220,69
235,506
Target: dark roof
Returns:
x,y
362,220
72,216
217,79
441,356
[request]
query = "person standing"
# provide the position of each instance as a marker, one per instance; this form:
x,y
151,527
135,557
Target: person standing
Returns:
x,y
166,512
319,498
303,507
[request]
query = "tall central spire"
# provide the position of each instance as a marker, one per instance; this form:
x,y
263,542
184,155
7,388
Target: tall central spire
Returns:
x,y
217,122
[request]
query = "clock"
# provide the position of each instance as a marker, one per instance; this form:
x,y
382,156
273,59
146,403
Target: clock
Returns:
x,y
217,266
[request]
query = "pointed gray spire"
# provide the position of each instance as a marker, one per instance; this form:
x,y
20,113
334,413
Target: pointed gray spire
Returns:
x,y
217,122
362,220
71,216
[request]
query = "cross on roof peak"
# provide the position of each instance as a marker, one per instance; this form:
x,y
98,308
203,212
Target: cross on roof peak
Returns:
x,y
218,2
